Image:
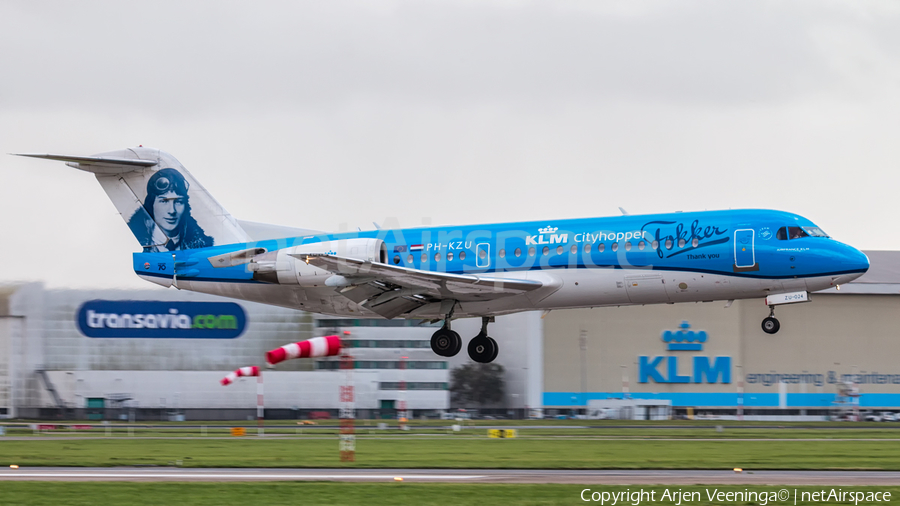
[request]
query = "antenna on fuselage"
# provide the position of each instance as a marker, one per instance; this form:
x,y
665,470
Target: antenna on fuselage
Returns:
x,y
624,212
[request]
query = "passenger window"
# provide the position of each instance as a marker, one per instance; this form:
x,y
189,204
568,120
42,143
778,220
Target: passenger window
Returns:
x,y
502,253
587,248
545,251
695,242
627,245
654,244
615,246
574,249
437,257
409,259
601,247
641,245
531,251
681,243
559,250
424,257
462,255
668,243
518,252
449,256
396,259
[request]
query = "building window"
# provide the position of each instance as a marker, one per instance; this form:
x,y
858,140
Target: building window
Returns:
x,y
413,385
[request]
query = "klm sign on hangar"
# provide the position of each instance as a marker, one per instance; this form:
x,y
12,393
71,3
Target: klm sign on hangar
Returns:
x,y
702,369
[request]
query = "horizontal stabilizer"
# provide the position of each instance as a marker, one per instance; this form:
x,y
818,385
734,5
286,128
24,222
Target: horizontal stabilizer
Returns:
x,y
97,164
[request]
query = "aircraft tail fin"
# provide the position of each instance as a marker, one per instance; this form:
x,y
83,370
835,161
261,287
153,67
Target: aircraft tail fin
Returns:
x,y
162,203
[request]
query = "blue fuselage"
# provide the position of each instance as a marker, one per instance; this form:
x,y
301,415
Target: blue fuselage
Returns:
x,y
740,243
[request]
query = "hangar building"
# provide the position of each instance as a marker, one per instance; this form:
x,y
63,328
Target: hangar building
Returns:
x,y
715,359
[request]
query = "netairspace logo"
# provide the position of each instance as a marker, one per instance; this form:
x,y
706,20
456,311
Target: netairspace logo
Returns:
x,y
760,497
159,319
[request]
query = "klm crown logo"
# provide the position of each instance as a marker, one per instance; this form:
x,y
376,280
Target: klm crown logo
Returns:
x,y
548,230
684,339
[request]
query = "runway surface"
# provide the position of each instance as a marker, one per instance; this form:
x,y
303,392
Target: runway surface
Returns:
x,y
607,477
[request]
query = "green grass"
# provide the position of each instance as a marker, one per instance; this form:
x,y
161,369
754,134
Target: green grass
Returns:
x,y
455,452
313,493
728,432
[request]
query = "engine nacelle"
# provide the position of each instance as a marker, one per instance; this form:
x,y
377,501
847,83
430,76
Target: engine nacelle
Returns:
x,y
282,268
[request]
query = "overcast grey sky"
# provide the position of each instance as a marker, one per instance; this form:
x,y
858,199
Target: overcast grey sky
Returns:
x,y
336,114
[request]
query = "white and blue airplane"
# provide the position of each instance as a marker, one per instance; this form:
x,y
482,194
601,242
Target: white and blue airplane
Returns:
x,y
191,242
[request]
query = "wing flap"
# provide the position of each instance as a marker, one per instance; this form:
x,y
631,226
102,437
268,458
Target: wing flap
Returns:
x,y
439,285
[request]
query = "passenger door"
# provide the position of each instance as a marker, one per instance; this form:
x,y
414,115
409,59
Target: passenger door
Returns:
x,y
744,248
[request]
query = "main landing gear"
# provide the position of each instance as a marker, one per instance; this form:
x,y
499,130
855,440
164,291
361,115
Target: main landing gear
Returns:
x,y
770,324
447,343
483,349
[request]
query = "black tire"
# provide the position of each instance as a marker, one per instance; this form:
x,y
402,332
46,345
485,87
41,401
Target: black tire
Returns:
x,y
770,325
446,342
482,349
496,349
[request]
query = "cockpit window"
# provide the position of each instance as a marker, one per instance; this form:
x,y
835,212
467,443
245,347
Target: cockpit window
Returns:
x,y
815,232
787,233
796,233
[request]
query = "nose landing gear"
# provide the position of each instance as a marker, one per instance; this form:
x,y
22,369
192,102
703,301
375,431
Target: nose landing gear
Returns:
x,y
770,324
483,349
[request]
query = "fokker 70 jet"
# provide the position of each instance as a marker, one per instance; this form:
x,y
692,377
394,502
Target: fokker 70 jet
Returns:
x,y
191,242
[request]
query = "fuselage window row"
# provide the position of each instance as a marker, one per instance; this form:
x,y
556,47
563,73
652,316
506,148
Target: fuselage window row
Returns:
x,y
588,248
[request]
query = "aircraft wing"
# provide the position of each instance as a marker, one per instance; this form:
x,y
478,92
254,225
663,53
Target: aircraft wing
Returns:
x,y
391,290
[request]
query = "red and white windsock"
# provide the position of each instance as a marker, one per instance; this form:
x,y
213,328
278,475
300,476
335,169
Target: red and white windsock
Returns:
x,y
243,371
327,346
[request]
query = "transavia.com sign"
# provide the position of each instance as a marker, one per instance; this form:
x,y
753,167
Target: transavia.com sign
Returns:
x,y
161,319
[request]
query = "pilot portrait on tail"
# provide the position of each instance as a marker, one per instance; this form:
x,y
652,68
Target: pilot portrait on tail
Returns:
x,y
164,223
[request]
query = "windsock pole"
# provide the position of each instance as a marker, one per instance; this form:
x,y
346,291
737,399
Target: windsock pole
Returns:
x,y
260,407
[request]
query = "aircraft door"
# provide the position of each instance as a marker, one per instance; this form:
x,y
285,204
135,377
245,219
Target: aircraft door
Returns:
x,y
483,255
744,249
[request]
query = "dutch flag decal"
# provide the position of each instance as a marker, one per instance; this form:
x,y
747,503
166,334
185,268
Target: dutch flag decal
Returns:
x,y
416,247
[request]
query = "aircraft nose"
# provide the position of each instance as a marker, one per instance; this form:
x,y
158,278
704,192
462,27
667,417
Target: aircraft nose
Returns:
x,y
857,261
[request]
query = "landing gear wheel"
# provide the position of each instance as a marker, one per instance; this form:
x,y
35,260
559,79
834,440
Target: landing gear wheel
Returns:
x,y
483,349
446,342
496,349
770,325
